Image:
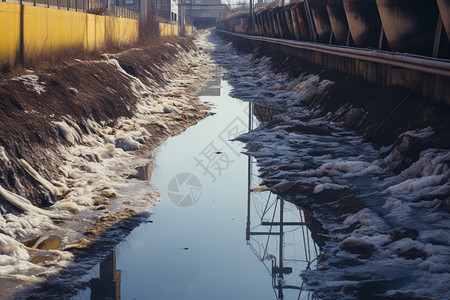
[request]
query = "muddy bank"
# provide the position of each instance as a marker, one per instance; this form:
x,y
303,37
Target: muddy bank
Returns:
x,y
97,90
72,140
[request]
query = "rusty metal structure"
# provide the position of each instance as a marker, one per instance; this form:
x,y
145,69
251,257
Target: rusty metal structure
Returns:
x,y
387,42
420,27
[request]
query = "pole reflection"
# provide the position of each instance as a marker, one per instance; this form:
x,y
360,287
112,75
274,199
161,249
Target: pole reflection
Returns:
x,y
107,286
277,231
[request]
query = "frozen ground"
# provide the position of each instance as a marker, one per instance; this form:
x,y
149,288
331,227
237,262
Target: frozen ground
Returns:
x,y
94,183
387,234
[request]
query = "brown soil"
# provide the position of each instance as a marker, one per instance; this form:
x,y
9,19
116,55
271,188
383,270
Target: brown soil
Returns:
x,y
79,90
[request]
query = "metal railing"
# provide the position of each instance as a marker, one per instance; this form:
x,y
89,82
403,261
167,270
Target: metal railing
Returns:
x,y
87,6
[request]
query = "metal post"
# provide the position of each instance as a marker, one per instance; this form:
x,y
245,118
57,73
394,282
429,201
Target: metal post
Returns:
x,y
312,30
249,173
380,40
437,37
252,17
183,17
280,264
21,35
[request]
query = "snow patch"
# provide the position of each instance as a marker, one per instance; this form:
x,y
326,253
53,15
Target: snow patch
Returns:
x,y
329,186
31,82
69,133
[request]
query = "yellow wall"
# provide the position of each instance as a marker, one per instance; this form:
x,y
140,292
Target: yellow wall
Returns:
x,y
166,29
124,31
189,29
48,30
9,32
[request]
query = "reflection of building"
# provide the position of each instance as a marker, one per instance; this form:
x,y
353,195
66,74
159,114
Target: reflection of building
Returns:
x,y
212,88
107,286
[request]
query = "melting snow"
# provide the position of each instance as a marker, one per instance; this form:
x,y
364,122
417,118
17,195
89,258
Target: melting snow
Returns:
x,y
94,167
339,160
31,82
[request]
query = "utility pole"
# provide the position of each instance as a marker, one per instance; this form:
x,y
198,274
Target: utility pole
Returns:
x,y
183,17
252,17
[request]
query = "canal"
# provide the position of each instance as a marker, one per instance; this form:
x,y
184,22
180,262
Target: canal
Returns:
x,y
225,226
198,243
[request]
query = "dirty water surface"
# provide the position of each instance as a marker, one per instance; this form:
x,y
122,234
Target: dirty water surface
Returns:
x,y
199,242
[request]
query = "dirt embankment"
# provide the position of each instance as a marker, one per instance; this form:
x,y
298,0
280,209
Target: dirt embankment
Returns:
x,y
31,105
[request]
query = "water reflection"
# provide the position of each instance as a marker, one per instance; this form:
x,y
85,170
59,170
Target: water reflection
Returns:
x,y
143,172
107,286
192,250
212,88
275,230
264,113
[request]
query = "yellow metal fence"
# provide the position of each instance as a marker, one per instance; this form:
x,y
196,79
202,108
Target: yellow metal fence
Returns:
x,y
167,29
90,6
30,32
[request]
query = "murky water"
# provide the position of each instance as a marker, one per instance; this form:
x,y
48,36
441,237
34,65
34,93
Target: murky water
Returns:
x,y
202,241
